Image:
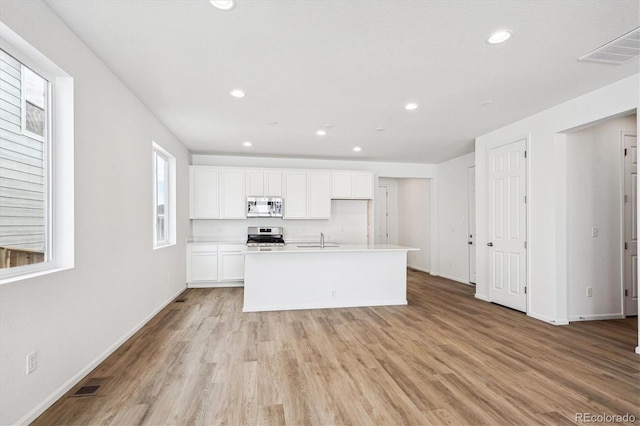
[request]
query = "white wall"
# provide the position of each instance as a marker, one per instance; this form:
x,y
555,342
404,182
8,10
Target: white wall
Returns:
x,y
547,179
453,219
74,318
594,200
414,221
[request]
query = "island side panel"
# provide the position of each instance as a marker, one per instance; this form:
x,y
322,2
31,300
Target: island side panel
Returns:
x,y
309,280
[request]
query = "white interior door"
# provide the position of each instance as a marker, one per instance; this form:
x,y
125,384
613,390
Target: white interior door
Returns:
x,y
507,227
630,224
471,179
382,215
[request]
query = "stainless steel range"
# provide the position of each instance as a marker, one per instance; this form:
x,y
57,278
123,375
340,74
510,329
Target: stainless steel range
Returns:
x,y
264,236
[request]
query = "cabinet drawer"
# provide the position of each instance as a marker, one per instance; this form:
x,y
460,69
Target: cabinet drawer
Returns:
x,y
202,248
236,248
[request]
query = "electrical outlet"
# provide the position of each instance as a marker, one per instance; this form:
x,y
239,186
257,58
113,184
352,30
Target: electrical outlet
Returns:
x,y
333,293
594,232
589,291
32,362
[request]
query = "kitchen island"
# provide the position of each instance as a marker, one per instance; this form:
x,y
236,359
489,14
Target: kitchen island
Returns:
x,y
308,276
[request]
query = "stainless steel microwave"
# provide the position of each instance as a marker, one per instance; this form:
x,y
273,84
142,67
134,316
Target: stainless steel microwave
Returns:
x,y
264,207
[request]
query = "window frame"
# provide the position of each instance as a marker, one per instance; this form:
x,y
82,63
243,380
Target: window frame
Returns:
x,y
59,159
169,213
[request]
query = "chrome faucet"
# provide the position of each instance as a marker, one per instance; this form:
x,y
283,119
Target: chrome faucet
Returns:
x,y
321,240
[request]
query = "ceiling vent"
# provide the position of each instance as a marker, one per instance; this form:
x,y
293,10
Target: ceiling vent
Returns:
x,y
617,52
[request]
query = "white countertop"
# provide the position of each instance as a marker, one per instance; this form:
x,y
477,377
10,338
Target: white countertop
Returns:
x,y
329,247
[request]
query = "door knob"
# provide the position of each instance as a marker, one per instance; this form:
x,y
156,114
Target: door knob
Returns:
x,y
490,244
470,242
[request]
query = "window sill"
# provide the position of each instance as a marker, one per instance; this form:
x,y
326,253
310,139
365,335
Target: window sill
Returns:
x,y
164,245
31,274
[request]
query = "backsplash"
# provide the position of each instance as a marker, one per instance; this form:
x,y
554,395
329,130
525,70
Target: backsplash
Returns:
x,y
348,225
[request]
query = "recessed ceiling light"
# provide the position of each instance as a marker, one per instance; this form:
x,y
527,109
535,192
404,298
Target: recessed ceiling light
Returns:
x,y
499,36
223,4
411,106
357,149
247,144
237,93
321,133
379,129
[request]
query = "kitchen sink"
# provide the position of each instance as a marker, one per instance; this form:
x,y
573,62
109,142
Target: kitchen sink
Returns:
x,y
317,245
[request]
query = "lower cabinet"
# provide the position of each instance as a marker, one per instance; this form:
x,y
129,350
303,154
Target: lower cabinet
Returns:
x,y
215,265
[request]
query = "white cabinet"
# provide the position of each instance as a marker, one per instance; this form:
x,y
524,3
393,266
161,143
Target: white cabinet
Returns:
x,y
273,183
211,264
295,194
231,262
232,194
255,183
202,262
204,193
319,195
264,183
362,185
341,185
348,185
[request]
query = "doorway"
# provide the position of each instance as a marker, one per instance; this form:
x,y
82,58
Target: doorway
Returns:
x,y
601,211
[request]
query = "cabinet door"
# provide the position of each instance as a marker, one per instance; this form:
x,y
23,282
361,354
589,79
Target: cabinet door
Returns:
x,y
295,194
341,185
319,195
255,183
273,183
362,185
204,193
232,191
204,266
231,266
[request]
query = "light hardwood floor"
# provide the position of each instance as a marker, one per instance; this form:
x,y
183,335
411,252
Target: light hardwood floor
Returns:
x,y
446,358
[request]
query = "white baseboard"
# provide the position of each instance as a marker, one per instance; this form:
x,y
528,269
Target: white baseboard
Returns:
x,y
216,284
638,350
419,269
596,317
460,280
59,393
362,304
553,321
482,297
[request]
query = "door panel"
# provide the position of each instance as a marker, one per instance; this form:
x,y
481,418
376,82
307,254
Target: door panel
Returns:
x,y
630,225
507,233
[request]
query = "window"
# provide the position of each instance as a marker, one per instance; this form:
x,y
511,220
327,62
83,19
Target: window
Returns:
x,y
163,197
36,186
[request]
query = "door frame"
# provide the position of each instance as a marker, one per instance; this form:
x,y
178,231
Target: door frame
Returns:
x,y
386,218
472,239
623,217
527,173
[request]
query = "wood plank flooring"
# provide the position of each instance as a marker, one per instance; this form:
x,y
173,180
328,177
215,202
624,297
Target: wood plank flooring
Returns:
x,y
446,358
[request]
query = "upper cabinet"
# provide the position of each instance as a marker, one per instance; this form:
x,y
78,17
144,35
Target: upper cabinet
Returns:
x,y
264,183
221,192
295,194
319,195
204,192
216,193
232,194
349,185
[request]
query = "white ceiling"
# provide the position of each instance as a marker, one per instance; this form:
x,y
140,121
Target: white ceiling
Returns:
x,y
350,63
